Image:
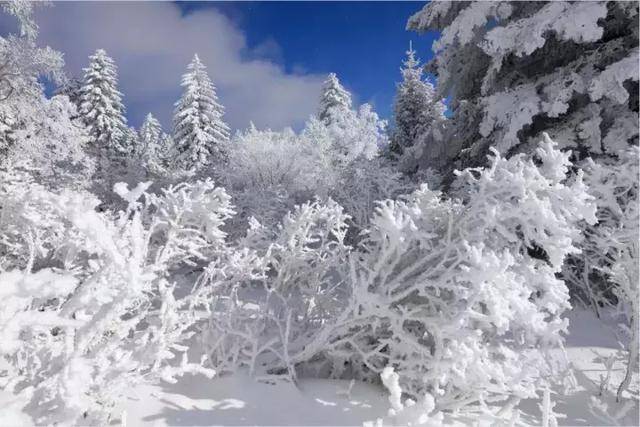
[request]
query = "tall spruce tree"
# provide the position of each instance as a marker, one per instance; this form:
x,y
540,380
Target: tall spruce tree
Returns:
x,y
150,133
416,107
101,105
516,69
151,138
199,131
334,99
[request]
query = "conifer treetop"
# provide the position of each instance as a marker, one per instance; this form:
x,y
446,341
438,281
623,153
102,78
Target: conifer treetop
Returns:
x,y
334,96
416,107
199,129
101,104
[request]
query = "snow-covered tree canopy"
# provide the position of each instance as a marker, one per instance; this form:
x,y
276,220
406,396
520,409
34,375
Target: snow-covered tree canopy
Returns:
x,y
35,132
101,105
150,132
152,149
515,69
416,105
333,97
199,131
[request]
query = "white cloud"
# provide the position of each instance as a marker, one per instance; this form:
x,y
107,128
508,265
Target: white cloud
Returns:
x,y
152,43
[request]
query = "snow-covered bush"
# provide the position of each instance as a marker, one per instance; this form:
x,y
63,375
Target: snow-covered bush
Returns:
x,y
270,172
362,184
350,135
267,206
461,296
29,230
348,151
408,412
264,159
272,305
613,182
105,309
606,272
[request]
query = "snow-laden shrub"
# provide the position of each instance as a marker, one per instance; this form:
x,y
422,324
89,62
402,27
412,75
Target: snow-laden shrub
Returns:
x,y
265,159
267,206
606,271
349,135
271,307
270,172
407,412
362,184
105,311
349,147
461,296
30,230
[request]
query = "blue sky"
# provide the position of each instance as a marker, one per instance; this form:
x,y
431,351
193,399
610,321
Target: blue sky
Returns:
x,y
363,42
267,59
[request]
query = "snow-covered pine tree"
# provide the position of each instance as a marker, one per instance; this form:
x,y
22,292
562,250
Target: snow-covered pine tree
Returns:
x,y
166,148
516,69
155,149
416,105
101,104
333,97
150,130
199,130
150,133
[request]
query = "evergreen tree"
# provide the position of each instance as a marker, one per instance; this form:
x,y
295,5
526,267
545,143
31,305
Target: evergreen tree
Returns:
x,y
416,105
150,133
516,69
130,141
166,149
151,142
101,105
199,131
333,99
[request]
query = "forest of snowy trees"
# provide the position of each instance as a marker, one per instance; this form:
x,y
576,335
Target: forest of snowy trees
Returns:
x,y
436,255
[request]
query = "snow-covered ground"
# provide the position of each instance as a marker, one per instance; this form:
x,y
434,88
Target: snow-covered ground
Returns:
x,y
589,342
239,400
